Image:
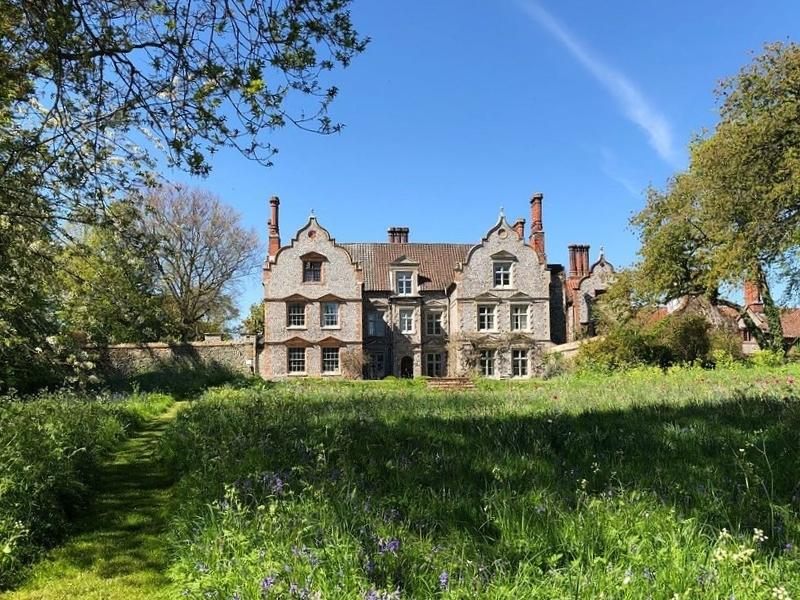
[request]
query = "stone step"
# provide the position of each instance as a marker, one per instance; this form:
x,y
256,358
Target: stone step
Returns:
x,y
451,383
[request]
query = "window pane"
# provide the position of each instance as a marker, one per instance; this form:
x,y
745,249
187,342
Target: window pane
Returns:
x,y
433,323
330,360
485,318
375,323
312,271
519,363
297,360
502,274
330,314
519,317
403,282
434,364
296,315
406,321
486,362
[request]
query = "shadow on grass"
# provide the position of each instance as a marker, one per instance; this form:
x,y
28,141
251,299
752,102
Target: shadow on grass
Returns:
x,y
733,463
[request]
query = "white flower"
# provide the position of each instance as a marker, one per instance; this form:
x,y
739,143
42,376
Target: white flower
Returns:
x,y
758,536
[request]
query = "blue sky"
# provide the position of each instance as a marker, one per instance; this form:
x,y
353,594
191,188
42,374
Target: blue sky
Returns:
x,y
460,107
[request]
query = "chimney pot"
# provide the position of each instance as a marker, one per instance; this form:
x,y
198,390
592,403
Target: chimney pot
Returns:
x,y
274,227
519,227
398,235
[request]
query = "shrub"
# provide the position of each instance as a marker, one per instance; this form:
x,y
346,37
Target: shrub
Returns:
x,y
768,358
622,348
685,336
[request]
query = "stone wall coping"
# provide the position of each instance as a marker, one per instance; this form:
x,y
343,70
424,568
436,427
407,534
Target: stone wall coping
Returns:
x,y
161,345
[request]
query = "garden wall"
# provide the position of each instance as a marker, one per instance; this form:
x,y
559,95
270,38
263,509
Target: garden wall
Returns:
x,y
127,360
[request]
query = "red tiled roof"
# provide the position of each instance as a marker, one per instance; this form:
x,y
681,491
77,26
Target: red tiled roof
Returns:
x,y
437,262
790,320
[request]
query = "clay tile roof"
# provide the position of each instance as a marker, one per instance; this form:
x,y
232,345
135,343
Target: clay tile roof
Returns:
x,y
436,262
790,320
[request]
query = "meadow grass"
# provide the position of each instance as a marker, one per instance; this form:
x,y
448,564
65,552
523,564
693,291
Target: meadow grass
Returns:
x,y
51,450
644,484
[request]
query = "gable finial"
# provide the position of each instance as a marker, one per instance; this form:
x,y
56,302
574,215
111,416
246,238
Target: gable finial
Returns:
x,y
502,213
312,215
602,252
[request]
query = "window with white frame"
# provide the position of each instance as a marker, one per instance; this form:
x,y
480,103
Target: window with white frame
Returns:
x,y
486,362
519,363
403,283
406,320
312,271
502,274
375,323
519,317
434,364
433,323
296,314
330,360
330,314
486,317
297,360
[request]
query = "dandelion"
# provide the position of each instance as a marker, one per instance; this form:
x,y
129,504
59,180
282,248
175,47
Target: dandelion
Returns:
x,y
444,580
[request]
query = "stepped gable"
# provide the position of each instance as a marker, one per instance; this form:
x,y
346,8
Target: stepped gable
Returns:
x,y
437,262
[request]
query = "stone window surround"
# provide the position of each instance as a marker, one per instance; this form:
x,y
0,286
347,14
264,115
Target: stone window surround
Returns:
x,y
412,281
289,315
521,363
435,360
322,315
400,314
430,322
337,370
319,270
489,316
297,360
527,306
507,272
487,359
378,318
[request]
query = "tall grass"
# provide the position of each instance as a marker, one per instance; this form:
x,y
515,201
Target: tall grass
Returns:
x,y
644,484
50,446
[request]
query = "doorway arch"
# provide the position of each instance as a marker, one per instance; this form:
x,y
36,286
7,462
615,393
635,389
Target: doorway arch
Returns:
x,y
407,367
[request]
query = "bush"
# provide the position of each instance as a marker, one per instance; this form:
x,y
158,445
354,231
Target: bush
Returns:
x,y
50,449
768,358
622,348
685,336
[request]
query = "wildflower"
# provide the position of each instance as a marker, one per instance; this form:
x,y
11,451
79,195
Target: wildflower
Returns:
x,y
391,545
758,536
267,583
788,547
780,593
628,576
201,567
369,567
444,580
648,574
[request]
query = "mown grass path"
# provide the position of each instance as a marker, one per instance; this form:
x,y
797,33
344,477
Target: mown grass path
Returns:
x,y
119,550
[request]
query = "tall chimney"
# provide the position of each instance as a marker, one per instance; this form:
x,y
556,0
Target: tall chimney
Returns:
x,y
585,259
752,295
391,234
573,260
519,227
537,230
274,229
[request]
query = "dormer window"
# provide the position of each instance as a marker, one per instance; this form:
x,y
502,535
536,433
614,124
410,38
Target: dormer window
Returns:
x,y
403,283
312,271
502,274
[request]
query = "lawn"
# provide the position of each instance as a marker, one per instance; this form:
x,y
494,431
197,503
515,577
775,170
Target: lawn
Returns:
x,y
643,484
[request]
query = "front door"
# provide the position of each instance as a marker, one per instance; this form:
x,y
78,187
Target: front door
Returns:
x,y
407,367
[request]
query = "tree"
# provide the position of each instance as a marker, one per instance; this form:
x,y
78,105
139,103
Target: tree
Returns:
x,y
91,87
254,322
108,278
203,253
734,215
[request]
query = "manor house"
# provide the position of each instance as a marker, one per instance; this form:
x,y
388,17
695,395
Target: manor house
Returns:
x,y
372,309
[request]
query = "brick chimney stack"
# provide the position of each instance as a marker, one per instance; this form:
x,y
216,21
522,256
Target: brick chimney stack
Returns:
x,y
519,227
752,296
398,235
274,229
537,230
578,260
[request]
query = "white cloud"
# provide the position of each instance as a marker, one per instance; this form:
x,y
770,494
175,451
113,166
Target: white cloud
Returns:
x,y
631,100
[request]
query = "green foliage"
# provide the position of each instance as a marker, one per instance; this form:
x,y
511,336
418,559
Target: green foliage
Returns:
x,y
254,322
768,358
50,447
651,484
733,214
674,340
